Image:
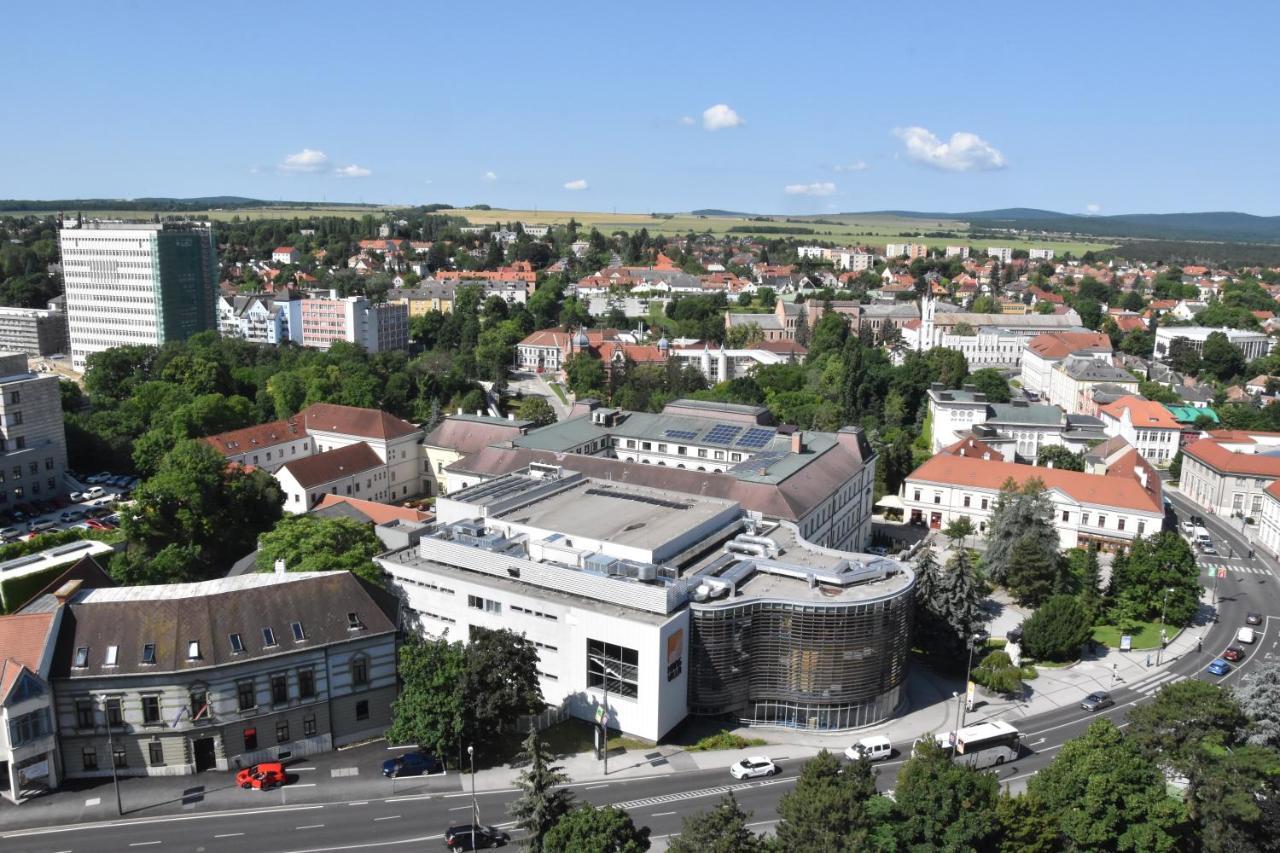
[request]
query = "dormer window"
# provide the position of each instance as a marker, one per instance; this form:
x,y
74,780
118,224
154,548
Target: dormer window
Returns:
x,y
112,653
193,650
353,622
298,634
82,657
149,653
268,637
237,644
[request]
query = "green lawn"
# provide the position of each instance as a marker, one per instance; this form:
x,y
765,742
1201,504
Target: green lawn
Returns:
x,y
555,386
1146,635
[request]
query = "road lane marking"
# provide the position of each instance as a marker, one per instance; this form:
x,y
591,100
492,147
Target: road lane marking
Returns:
x,y
368,844
303,785
143,843
359,803
299,769
459,808
229,835
344,771
593,787
50,830
408,799
661,814
388,817
92,801
311,826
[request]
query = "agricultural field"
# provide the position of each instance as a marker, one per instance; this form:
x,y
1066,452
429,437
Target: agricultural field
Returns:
x,y
847,229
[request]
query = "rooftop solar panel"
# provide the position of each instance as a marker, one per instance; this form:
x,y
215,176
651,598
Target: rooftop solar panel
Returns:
x,y
681,433
722,434
756,437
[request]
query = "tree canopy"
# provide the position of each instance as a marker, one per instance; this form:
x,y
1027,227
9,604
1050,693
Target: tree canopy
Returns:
x,y
310,543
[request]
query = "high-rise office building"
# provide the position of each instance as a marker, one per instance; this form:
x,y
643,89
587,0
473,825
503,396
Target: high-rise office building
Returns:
x,y
137,283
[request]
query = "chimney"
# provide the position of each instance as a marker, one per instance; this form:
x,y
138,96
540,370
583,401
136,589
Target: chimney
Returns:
x,y
280,567
67,591
797,442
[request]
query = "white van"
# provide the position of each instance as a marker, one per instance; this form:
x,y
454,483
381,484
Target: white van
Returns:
x,y
871,748
1246,635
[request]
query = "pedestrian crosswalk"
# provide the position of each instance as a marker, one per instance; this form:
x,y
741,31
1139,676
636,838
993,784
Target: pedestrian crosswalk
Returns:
x,y
1214,568
1151,685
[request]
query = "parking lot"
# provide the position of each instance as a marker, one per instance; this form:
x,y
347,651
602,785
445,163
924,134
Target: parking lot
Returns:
x,y
95,506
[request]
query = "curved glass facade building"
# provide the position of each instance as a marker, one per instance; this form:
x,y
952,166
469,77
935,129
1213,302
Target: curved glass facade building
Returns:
x,y
796,651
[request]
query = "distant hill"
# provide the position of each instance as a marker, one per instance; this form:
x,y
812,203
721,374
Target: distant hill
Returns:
x,y
1210,225
177,204
715,211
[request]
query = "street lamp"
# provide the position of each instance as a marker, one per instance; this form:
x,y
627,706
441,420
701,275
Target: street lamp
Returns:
x,y
475,811
111,748
1163,608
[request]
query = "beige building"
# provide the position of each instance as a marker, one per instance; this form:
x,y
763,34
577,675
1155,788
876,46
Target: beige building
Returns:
x,y
1227,471
459,435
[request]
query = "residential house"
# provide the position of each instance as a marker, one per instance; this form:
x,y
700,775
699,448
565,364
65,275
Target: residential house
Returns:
x,y
285,255
30,761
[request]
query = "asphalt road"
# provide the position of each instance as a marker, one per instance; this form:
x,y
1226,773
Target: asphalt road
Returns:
x,y
417,821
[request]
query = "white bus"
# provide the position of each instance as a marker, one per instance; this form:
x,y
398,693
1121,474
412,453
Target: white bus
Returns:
x,y
982,745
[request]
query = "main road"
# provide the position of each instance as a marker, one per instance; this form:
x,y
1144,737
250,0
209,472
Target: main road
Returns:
x,y
417,821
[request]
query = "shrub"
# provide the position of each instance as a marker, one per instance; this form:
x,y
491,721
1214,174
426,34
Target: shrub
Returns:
x,y
725,740
1029,672
997,672
1057,630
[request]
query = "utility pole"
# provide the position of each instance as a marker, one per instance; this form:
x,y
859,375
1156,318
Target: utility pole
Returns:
x,y
1163,608
111,748
475,811
968,671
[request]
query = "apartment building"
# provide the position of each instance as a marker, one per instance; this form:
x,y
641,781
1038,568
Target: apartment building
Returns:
x,y
910,251
137,283
1003,254
1144,425
179,678
1227,471
1040,254
1110,509
1043,352
1074,381
30,762
34,331
33,442
378,327
961,252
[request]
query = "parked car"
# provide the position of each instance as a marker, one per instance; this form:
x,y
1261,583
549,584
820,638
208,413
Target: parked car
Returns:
x,y
876,748
1246,635
412,764
94,493
71,515
9,534
1097,700
1235,654
753,766
263,777
1253,619
76,497
464,836
97,478
1197,521
40,526
1218,667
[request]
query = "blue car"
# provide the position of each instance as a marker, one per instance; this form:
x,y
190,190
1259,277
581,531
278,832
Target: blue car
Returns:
x,y
412,764
1218,667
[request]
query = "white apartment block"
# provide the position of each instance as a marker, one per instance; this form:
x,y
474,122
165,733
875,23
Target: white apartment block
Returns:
x,y
961,252
1003,254
1251,344
910,250
33,442
1040,254
813,253
853,260
137,283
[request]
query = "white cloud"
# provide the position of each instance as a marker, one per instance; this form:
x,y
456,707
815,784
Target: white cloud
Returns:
x,y
688,121
489,177
964,152
352,171
306,160
579,184
1093,208
721,116
818,188
856,166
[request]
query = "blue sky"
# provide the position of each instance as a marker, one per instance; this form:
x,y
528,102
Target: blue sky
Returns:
x,y
770,107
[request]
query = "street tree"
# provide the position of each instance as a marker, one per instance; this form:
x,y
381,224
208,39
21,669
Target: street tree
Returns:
x,y
1057,629
941,805
1157,575
959,529
536,409
997,672
311,543
607,829
501,682
430,710
1258,694
1102,793
948,603
543,798
1171,730
1020,513
723,829
1033,572
585,373
830,806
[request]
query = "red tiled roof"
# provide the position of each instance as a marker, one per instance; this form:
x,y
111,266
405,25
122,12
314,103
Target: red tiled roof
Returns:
x,y
1143,413
237,441
333,465
280,250
1110,489
350,420
972,447
378,513
1213,454
23,638
1062,344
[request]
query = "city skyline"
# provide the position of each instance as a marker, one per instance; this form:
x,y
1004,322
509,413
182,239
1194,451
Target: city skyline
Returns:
x,y
668,108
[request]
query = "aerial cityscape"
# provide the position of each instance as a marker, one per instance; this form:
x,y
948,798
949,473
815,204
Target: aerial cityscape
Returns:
x,y
482,436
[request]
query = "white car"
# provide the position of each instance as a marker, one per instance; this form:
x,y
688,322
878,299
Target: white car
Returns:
x,y
752,766
1246,635
871,748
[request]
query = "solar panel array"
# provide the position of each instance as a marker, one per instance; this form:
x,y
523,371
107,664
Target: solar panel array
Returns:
x,y
755,437
722,434
681,433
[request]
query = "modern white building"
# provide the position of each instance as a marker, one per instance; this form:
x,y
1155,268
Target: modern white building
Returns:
x,y
1251,344
378,327
961,252
987,340
1018,430
137,283
721,365
1003,254
646,605
1040,254
853,260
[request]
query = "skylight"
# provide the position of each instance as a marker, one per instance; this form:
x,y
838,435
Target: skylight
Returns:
x,y
149,653
193,650
268,637
298,634
237,644
112,653
82,656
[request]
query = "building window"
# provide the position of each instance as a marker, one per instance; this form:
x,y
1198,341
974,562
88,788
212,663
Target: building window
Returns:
x,y
237,644
199,704
85,718
82,657
1102,520
113,652
1066,515
149,653
245,695
1120,523
984,503
193,650
966,500
309,725
613,667
279,689
298,634
362,709
485,604
1084,518
118,756
353,622
282,731
268,638
150,710
250,740
89,758
114,717
359,671
916,492
306,683
155,753
1142,527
